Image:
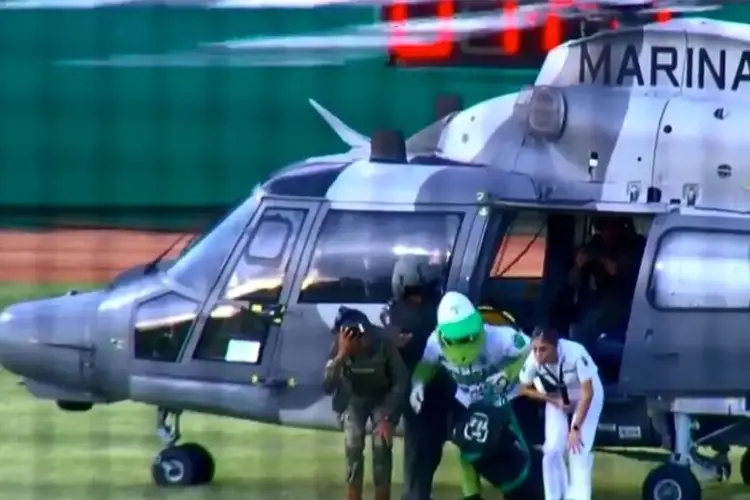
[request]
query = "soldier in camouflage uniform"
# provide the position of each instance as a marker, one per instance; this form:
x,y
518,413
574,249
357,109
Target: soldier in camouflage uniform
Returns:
x,y
369,381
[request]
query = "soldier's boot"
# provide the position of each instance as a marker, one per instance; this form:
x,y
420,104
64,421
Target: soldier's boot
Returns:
x,y
383,493
353,493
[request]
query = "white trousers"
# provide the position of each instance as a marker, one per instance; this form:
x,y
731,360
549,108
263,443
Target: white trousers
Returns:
x,y
558,485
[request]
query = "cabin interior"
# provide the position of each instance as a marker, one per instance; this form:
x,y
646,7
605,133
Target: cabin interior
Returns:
x,y
530,261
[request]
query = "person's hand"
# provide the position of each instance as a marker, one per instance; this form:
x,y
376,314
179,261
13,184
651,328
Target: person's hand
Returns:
x,y
560,404
384,431
574,440
385,315
344,343
402,339
610,266
499,382
416,398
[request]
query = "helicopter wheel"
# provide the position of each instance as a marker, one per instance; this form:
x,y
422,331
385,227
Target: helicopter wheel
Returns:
x,y
185,465
671,482
745,467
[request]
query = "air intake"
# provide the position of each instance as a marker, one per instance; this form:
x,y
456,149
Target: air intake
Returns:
x,y
388,146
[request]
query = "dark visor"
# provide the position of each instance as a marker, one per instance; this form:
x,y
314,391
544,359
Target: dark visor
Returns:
x,y
458,342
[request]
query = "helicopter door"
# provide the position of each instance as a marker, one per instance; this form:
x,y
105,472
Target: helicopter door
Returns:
x,y
240,334
688,327
349,262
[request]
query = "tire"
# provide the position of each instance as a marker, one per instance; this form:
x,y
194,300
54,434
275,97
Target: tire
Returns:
x,y
745,467
174,466
671,482
205,467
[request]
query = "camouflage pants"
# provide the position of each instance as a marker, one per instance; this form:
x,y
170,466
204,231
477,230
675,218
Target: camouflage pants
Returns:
x,y
355,420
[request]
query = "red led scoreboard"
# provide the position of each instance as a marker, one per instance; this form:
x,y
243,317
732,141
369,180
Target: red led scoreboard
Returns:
x,y
510,49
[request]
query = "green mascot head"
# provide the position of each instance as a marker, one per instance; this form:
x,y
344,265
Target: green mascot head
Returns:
x,y
461,329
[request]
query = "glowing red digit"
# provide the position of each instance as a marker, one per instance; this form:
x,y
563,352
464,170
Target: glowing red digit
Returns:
x,y
663,16
442,48
552,35
510,39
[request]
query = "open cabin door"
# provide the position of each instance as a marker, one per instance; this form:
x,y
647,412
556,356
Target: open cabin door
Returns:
x,y
688,330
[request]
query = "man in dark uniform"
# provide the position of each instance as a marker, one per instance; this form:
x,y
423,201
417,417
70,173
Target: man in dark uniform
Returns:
x,y
368,378
604,278
411,316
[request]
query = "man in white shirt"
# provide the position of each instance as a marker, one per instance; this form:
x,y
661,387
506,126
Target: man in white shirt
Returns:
x,y
568,367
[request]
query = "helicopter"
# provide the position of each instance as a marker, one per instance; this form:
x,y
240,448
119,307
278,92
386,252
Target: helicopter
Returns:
x,y
239,324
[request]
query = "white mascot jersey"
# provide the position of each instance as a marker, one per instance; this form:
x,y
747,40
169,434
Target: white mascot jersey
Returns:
x,y
502,345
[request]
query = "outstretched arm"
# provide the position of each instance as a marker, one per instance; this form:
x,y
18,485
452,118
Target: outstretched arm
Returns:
x,y
429,364
517,353
333,374
529,371
586,371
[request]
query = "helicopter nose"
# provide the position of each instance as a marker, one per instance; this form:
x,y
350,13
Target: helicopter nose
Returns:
x,y
45,340
16,346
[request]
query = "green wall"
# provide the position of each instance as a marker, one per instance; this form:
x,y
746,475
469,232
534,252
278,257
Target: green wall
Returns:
x,y
147,131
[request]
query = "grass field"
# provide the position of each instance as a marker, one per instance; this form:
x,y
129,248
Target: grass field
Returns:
x,y
106,453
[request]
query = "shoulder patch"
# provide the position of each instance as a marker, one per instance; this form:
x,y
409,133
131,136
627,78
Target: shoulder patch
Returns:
x,y
519,342
585,360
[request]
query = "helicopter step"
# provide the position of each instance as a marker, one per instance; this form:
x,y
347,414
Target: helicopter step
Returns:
x,y
188,464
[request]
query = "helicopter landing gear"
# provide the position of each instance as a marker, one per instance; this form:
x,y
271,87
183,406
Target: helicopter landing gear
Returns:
x,y
679,478
745,467
188,464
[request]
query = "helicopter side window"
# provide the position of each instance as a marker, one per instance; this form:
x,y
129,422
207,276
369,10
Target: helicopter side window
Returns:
x,y
515,278
261,269
355,253
161,327
702,270
257,278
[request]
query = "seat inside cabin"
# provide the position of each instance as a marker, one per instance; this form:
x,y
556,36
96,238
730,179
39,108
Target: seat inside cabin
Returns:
x,y
530,271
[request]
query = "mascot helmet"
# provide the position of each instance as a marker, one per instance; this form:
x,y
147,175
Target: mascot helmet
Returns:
x,y
460,329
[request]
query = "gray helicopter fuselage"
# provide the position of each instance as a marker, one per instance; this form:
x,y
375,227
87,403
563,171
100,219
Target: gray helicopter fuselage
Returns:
x,y
239,324
87,347
661,105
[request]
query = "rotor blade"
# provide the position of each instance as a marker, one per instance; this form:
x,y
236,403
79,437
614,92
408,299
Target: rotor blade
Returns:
x,y
324,42
207,4
687,9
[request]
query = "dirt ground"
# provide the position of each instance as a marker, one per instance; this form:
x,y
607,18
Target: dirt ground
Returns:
x,y
75,256
85,256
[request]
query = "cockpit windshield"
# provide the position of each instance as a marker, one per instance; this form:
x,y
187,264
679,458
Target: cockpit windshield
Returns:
x,y
198,267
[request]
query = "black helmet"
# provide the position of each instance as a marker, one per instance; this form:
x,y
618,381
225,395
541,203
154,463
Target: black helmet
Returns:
x,y
351,318
415,272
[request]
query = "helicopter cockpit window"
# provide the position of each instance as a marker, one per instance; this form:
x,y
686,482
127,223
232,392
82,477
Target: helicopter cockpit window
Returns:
x,y
258,277
702,270
355,253
199,266
261,269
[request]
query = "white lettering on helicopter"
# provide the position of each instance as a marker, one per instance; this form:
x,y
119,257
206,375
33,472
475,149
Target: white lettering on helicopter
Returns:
x,y
703,68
